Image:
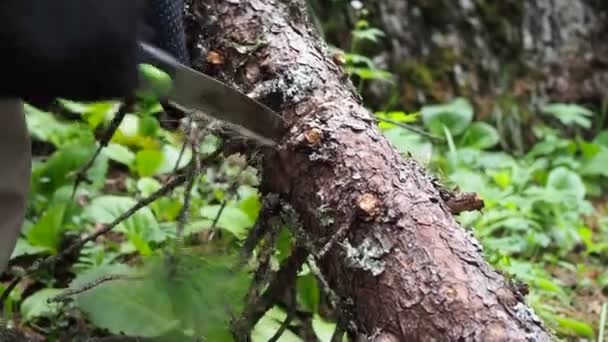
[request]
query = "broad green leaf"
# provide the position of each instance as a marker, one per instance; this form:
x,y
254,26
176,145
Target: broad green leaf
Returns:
x,y
36,305
129,126
149,126
231,219
95,113
60,168
206,291
308,292
46,127
157,83
395,116
597,164
147,186
480,135
409,142
323,330
171,155
268,326
135,307
371,74
141,225
23,247
574,326
147,162
119,154
565,180
601,139
456,116
250,202
47,232
569,114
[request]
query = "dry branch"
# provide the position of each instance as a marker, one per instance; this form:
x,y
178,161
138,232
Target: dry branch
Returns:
x,y
410,272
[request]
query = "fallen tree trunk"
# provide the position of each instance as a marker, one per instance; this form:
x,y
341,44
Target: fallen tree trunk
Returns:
x,y
395,255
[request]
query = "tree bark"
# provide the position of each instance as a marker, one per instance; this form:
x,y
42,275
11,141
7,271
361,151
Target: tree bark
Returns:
x,y
554,49
400,263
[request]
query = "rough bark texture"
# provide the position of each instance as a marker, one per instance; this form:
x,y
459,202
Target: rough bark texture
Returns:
x,y
406,269
553,49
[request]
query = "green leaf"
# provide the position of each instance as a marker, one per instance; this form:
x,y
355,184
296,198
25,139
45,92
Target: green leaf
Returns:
x,y
119,154
59,169
95,113
171,156
140,227
149,126
133,307
23,248
250,202
147,186
409,142
573,326
157,83
371,74
232,219
268,326
206,291
323,330
596,165
36,305
562,179
46,127
480,135
147,162
456,116
569,114
602,139
308,292
47,232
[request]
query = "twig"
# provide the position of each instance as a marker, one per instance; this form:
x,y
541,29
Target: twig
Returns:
x,y
191,176
290,315
62,297
231,192
81,175
334,299
468,201
283,279
188,131
270,206
411,128
167,188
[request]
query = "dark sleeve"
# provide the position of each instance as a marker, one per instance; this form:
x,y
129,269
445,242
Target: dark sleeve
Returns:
x,y
166,18
77,49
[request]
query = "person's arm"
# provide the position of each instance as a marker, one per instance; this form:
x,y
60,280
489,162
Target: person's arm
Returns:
x,y
77,49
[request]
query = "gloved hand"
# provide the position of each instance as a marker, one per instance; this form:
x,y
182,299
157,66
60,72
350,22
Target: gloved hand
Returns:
x,y
77,49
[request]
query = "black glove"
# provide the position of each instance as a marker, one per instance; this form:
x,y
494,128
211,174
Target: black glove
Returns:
x,y
83,50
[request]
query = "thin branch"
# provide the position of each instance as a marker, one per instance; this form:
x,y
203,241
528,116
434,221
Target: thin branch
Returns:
x,y
335,301
81,175
188,131
191,176
411,128
290,315
283,280
270,207
51,260
64,296
232,190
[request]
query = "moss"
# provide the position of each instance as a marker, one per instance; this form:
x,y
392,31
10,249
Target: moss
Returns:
x,y
504,18
417,73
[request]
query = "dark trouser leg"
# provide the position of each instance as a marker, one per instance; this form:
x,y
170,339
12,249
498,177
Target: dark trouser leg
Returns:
x,y
15,170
